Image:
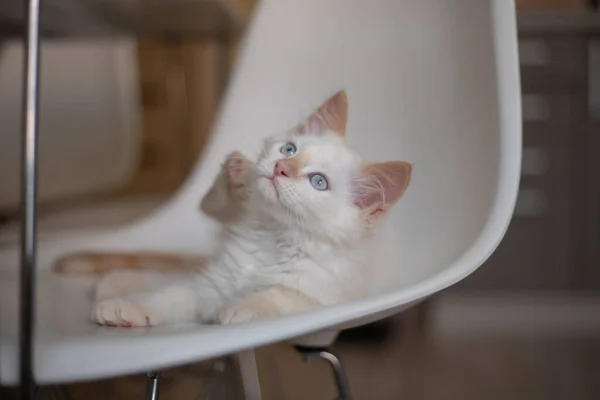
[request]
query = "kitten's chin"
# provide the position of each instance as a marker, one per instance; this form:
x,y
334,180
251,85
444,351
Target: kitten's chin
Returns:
x,y
267,190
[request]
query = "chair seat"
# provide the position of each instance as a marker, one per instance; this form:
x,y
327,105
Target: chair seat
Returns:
x,y
70,347
434,83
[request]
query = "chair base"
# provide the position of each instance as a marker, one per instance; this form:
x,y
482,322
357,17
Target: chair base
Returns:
x,y
214,384
308,354
341,381
152,385
214,379
373,333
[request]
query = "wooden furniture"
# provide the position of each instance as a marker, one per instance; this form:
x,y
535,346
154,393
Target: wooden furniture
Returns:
x,y
553,242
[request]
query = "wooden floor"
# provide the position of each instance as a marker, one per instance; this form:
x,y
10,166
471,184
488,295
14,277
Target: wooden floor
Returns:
x,y
492,368
409,364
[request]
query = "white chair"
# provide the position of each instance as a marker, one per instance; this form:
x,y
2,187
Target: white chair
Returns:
x,y
432,82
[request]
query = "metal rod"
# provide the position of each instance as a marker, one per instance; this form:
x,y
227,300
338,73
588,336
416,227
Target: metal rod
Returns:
x,y
29,197
341,381
152,388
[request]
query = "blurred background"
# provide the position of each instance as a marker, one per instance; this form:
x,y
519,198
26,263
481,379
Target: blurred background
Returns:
x,y
124,120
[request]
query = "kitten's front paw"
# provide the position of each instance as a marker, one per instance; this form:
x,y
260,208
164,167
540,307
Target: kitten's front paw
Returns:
x,y
239,312
123,312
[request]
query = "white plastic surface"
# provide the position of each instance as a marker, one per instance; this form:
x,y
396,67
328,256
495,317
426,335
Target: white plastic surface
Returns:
x,y
101,216
89,107
432,82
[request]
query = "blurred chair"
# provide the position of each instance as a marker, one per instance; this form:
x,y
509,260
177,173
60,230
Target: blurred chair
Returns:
x,y
431,82
89,109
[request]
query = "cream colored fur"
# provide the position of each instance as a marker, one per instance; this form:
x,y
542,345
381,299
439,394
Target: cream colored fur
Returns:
x,y
290,246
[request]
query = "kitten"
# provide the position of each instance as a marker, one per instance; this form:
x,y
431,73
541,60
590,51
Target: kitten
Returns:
x,y
222,202
304,236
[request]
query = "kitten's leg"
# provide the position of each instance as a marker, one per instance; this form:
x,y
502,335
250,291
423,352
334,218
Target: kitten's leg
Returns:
x,y
271,302
171,303
186,299
229,190
90,263
122,283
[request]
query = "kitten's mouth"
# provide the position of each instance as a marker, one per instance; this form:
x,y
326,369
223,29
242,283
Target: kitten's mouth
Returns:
x,y
272,184
270,179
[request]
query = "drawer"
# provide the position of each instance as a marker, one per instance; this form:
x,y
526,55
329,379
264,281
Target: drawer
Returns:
x,y
551,110
553,63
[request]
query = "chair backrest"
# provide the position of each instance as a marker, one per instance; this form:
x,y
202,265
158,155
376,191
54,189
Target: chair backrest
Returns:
x,y
435,83
89,142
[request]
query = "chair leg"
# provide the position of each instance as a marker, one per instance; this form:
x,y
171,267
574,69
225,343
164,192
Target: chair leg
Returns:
x,y
152,387
249,374
339,375
59,393
31,90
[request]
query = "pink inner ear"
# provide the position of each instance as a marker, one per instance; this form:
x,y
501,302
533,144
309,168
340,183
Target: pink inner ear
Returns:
x,y
332,115
381,185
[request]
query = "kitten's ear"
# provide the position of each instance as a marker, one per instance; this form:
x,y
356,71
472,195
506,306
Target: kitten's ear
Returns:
x,y
331,116
380,185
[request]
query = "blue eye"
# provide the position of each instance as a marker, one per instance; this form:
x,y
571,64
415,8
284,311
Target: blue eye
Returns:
x,y
288,149
319,182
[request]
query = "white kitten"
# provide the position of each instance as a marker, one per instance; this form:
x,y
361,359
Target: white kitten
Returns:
x,y
304,237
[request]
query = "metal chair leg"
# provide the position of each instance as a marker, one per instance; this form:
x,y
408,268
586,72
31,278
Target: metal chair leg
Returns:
x,y
152,386
29,198
60,393
341,380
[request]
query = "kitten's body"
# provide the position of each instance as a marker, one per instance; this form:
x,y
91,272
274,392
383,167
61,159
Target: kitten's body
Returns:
x,y
263,268
303,236
260,252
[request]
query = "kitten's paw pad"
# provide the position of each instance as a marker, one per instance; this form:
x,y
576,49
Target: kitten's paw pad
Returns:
x,y
123,312
239,312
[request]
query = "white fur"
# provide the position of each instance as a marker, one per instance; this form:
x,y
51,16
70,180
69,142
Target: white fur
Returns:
x,y
292,248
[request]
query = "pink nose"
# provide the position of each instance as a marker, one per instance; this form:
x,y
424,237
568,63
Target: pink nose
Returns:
x,y
280,170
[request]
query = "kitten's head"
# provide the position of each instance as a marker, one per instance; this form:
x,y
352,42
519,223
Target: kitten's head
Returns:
x,y
312,180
